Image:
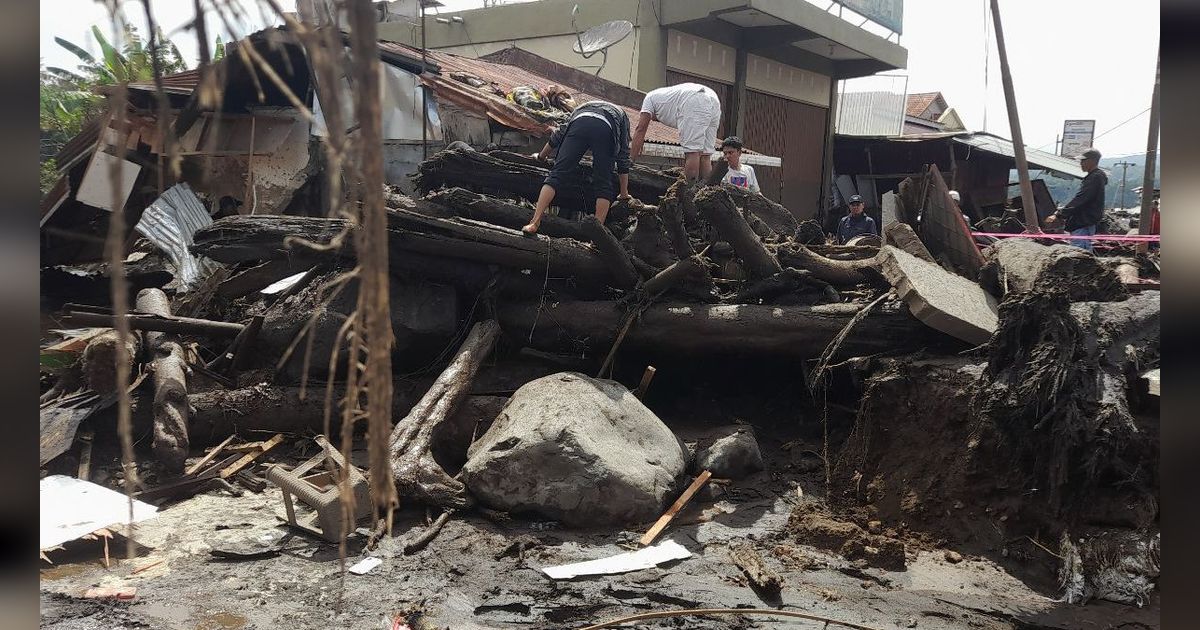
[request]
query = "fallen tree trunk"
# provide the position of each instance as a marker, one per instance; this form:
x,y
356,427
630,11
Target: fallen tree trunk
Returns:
x,y
418,475
670,210
774,215
620,267
1020,265
170,370
243,238
718,208
838,272
469,205
503,171
788,331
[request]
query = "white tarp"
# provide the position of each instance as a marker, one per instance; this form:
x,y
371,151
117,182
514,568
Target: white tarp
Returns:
x,y
401,98
170,223
71,508
632,561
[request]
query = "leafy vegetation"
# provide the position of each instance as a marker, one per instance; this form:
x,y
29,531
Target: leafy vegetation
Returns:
x,y
69,97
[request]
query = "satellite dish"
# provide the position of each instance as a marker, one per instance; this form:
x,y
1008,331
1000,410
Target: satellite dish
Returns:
x,y
598,39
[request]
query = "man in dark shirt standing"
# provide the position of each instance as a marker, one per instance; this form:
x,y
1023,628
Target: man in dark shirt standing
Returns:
x,y
855,223
1086,208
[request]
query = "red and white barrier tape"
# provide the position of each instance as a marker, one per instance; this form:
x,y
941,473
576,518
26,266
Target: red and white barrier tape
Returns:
x,y
1141,238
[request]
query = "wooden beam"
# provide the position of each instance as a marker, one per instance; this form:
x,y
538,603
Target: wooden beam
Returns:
x,y
248,458
669,515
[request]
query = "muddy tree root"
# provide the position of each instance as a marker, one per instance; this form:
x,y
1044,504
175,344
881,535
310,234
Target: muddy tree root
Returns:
x,y
836,272
417,474
717,207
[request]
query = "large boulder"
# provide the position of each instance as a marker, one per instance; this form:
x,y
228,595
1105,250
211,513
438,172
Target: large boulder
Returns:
x,y
579,450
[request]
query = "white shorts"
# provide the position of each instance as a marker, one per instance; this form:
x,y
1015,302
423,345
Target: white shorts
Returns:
x,y
698,125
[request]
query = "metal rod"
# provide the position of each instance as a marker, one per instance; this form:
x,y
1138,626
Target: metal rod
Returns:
x,y
1014,122
1151,158
424,92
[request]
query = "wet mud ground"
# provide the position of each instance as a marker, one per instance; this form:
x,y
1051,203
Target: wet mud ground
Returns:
x,y
485,573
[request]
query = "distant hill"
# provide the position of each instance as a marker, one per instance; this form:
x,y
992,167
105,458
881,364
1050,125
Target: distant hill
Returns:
x,y
1063,189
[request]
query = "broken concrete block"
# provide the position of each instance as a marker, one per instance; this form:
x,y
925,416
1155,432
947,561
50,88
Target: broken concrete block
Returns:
x,y
941,300
733,456
579,450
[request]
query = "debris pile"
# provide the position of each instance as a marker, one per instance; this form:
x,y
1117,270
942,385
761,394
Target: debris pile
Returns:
x,y
981,386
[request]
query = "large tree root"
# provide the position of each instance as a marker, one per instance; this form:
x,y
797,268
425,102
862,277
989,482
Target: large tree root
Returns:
x,y
837,272
418,475
717,207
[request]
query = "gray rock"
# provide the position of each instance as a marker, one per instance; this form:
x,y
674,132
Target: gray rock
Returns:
x,y
733,456
579,450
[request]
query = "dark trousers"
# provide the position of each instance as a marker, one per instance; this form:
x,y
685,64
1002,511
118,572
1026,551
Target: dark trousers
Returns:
x,y
583,134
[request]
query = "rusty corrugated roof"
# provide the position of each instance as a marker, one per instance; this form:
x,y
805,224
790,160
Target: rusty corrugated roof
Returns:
x,y
508,77
181,83
501,110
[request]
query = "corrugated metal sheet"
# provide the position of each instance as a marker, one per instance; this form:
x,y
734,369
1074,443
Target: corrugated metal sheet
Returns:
x,y
796,132
181,83
1048,161
876,113
170,223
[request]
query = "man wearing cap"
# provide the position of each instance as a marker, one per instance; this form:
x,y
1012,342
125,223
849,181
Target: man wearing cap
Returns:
x,y
1086,208
740,175
695,111
855,223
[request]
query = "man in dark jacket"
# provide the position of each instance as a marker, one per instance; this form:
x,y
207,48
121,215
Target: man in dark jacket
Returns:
x,y
602,128
855,223
1086,208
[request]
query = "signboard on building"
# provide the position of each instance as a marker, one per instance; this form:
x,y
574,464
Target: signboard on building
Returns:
x,y
886,13
1077,137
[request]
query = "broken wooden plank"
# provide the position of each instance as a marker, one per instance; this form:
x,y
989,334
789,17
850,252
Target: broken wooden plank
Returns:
x,y
85,455
669,515
191,470
160,323
647,376
248,458
941,300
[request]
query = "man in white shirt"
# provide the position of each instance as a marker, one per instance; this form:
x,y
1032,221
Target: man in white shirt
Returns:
x,y
740,175
695,111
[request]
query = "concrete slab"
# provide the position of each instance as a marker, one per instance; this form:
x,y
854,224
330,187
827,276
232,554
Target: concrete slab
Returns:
x,y
941,300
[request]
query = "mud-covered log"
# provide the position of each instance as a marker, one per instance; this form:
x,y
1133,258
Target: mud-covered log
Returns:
x,y
620,267
502,171
259,237
671,213
418,475
784,282
170,370
836,272
778,218
671,276
718,208
694,329
100,357
469,205
648,241
1019,265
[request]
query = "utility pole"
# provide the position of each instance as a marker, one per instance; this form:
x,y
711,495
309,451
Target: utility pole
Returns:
x,y
1056,139
1151,158
1124,167
1031,218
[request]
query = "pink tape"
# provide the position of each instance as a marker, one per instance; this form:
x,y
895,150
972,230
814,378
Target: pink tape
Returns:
x,y
1142,238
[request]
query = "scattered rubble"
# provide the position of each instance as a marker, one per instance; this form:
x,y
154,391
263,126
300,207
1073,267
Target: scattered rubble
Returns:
x,y
972,404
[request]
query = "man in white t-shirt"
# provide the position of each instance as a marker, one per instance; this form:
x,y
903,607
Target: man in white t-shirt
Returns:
x,y
740,175
695,111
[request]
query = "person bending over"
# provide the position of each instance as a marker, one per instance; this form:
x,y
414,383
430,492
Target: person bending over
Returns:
x,y
602,128
695,111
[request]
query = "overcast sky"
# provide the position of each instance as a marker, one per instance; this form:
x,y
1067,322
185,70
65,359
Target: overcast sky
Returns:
x,y
1077,59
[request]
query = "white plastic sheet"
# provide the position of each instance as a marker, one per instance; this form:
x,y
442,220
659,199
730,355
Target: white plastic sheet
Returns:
x,y
623,563
71,508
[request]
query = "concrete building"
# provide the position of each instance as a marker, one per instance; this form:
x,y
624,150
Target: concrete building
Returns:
x,y
774,64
